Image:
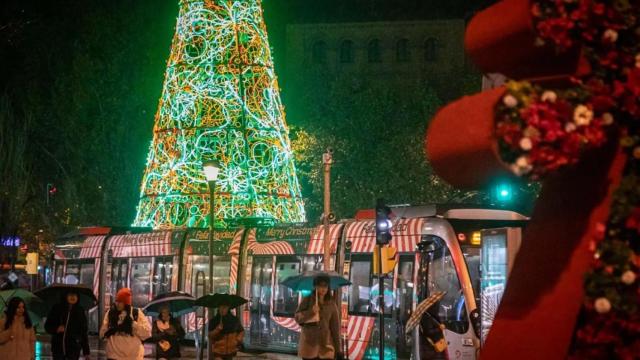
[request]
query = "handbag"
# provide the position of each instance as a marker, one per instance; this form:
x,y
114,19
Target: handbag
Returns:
x,y
316,317
164,345
440,345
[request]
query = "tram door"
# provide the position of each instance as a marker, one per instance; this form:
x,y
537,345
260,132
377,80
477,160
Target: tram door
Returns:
x,y
403,306
260,330
499,250
119,274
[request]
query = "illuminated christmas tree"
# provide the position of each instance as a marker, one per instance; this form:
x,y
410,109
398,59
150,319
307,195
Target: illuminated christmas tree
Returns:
x,y
220,101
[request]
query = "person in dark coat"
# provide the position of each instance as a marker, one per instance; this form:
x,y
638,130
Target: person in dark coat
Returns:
x,y
167,333
67,323
225,334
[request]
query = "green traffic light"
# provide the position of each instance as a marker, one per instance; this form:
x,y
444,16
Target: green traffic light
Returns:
x,y
504,192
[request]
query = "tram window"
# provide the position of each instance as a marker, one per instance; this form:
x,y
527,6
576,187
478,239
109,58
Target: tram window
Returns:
x,y
388,295
200,273
404,290
312,263
261,284
86,274
221,276
162,275
443,277
140,281
72,274
221,271
285,300
119,275
360,276
472,257
59,272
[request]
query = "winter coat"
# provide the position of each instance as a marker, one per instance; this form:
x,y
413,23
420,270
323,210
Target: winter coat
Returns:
x,y
173,334
226,340
23,344
122,346
74,340
321,339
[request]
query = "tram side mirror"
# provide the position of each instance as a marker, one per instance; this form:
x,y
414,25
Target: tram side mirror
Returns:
x,y
475,321
426,245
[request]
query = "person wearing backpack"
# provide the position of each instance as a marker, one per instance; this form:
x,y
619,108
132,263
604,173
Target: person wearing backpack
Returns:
x,y
125,328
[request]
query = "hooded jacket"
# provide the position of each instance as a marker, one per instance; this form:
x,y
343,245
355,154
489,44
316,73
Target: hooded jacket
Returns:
x,y
74,340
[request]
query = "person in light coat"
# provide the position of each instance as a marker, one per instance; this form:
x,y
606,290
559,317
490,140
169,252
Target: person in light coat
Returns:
x,y
318,316
124,329
17,335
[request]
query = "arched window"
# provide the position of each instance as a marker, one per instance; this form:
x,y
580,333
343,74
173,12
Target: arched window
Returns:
x,y
346,51
430,49
402,50
374,51
319,52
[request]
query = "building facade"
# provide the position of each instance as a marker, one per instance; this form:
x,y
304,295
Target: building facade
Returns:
x,y
399,54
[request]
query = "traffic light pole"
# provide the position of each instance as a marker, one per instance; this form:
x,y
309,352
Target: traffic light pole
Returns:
x,y
383,237
380,304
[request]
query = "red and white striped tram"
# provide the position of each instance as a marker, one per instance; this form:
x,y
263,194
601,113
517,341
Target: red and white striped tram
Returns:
x,y
253,261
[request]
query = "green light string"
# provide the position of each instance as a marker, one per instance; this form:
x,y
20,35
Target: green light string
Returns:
x,y
220,100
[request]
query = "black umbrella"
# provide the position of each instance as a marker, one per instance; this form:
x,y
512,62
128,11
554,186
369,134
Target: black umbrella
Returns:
x,y
304,281
55,293
215,300
179,303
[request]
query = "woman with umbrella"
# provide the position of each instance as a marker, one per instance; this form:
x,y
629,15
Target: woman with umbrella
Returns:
x,y
225,330
166,333
67,323
17,334
318,316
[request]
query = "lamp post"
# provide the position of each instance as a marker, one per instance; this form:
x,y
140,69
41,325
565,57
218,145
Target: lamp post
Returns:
x,y
327,160
211,169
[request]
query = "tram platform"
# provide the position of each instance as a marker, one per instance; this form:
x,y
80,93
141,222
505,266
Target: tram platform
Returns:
x,y
43,351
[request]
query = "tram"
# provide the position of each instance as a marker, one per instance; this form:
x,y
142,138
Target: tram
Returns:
x,y
469,253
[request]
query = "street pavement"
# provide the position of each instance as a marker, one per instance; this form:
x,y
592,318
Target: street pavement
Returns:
x,y
43,351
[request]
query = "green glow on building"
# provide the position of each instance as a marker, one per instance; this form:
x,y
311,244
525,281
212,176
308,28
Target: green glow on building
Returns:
x,y
220,100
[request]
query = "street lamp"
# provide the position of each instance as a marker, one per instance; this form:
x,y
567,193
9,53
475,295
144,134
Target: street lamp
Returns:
x,y
211,169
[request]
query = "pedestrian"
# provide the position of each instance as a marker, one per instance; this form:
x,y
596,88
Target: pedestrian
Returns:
x,y
17,333
125,328
167,334
317,314
67,323
225,334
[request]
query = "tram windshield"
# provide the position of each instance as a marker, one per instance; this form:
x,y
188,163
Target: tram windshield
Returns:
x,y
443,277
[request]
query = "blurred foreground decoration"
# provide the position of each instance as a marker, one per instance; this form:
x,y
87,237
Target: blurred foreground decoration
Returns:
x,y
571,120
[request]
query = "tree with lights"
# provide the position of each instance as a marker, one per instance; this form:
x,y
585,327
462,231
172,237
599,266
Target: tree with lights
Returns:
x,y
220,101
